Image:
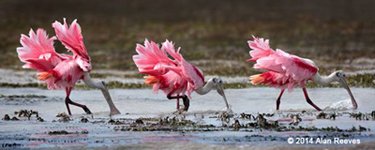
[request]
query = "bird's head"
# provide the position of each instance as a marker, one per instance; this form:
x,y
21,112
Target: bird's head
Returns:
x,y
217,82
338,75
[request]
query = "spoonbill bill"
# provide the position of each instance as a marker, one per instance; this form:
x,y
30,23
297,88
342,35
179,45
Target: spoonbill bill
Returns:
x,y
287,71
167,70
61,71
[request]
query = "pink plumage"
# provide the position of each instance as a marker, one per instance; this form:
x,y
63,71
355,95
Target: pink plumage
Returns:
x,y
282,70
286,71
72,39
166,68
38,52
59,71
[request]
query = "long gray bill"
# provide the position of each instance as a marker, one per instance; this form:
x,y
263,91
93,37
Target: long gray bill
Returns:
x,y
346,86
220,90
107,96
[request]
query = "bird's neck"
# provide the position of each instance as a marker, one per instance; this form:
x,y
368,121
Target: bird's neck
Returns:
x,y
91,83
100,85
206,88
324,80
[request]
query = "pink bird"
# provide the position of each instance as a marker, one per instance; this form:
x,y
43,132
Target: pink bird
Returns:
x,y
175,76
61,71
286,71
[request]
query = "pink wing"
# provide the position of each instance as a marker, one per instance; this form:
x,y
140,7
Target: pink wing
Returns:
x,y
189,72
173,76
65,74
37,51
71,37
295,69
152,60
260,48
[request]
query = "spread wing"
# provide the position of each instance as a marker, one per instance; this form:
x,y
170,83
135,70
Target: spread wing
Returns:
x,y
71,37
155,61
37,51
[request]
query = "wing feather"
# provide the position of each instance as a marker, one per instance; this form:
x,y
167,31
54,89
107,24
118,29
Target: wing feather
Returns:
x,y
298,69
166,65
37,51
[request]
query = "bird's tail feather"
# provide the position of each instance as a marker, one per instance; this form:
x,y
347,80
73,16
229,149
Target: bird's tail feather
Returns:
x,y
256,79
46,75
150,80
42,76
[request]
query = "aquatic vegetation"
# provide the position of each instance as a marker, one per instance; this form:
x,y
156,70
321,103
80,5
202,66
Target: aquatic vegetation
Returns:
x,y
22,96
61,132
84,120
6,117
323,115
236,125
116,84
64,132
26,113
23,113
63,117
20,85
296,119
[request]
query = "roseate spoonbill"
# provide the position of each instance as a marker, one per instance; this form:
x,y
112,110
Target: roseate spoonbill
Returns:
x,y
286,71
175,76
61,71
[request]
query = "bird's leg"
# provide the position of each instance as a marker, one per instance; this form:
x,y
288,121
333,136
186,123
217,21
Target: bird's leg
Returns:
x,y
84,107
278,99
67,90
309,100
186,103
178,103
67,106
69,101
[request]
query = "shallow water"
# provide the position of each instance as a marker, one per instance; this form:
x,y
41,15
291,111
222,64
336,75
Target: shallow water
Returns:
x,y
144,101
135,103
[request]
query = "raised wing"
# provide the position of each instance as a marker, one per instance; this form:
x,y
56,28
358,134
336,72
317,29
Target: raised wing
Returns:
x,y
71,37
152,60
37,51
189,72
156,62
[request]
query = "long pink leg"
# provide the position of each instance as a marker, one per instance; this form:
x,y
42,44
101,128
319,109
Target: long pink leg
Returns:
x,y
278,99
69,101
309,100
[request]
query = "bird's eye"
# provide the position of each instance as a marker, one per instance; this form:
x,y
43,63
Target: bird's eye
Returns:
x,y
338,74
220,81
214,80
